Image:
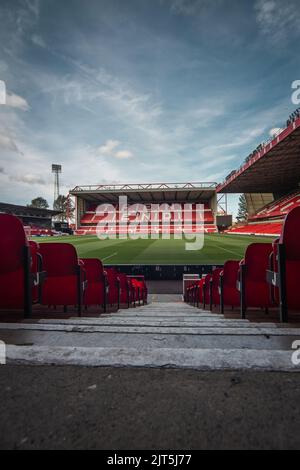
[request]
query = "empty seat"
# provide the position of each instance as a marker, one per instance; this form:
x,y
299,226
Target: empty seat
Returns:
x,y
252,276
206,290
15,266
95,293
64,284
113,287
214,295
229,294
125,298
286,264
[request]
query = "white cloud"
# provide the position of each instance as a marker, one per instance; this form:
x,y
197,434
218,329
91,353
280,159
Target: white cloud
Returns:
x,y
16,101
28,179
109,147
7,143
123,154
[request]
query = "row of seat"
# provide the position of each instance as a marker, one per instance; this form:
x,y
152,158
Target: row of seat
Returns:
x,y
90,218
279,208
51,274
268,276
265,228
148,229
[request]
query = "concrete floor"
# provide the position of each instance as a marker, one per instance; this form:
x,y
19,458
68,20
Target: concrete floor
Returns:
x,y
103,408
164,376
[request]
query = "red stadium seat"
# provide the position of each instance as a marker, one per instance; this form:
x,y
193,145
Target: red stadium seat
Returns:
x,y
38,275
113,287
15,269
229,294
286,265
214,294
252,276
65,281
206,290
125,298
95,293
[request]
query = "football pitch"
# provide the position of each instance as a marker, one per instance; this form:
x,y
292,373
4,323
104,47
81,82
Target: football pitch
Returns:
x,y
217,249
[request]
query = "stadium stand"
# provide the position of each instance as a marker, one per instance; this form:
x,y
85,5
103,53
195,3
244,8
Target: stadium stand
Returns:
x,y
266,278
146,204
36,221
51,274
269,220
90,219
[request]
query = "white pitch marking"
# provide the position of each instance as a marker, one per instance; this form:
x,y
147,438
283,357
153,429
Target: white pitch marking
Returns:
x,y
110,256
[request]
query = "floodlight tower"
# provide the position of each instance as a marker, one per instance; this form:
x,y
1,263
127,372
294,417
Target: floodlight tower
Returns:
x,y
56,170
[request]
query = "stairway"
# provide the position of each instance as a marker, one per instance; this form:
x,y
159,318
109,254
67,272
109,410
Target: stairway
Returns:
x,y
160,334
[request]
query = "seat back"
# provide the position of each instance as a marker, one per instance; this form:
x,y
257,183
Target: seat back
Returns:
x,y
290,235
257,261
93,269
216,277
230,273
12,243
59,259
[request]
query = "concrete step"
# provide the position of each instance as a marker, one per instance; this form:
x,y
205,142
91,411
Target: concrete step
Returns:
x,y
157,335
199,359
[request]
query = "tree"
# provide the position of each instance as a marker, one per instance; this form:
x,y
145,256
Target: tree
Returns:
x,y
64,205
39,202
242,209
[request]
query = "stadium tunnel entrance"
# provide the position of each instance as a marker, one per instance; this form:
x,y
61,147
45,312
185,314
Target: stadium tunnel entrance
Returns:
x,y
165,279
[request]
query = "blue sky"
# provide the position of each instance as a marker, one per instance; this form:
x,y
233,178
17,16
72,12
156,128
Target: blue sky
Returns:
x,y
140,90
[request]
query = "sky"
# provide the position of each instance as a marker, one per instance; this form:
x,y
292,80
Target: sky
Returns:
x,y
140,90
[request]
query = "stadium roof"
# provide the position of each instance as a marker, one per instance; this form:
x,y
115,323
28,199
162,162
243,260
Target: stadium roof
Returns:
x,y
147,193
275,168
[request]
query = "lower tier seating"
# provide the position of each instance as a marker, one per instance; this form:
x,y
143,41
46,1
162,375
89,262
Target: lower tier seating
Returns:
x,y
267,277
51,274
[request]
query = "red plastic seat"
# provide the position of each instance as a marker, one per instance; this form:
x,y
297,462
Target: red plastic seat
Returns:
x,y
290,238
286,265
132,290
253,281
206,286
95,293
113,286
15,270
36,270
214,288
65,281
124,290
229,292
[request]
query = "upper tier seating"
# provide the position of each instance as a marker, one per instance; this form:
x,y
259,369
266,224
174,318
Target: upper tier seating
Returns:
x,y
279,208
266,228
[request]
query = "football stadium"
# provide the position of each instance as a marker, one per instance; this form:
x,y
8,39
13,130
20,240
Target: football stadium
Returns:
x,y
144,316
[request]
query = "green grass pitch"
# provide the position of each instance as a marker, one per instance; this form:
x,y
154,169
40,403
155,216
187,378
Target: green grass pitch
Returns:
x,y
217,249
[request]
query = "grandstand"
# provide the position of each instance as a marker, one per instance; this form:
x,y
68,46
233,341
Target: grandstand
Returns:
x,y
270,180
37,221
140,195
